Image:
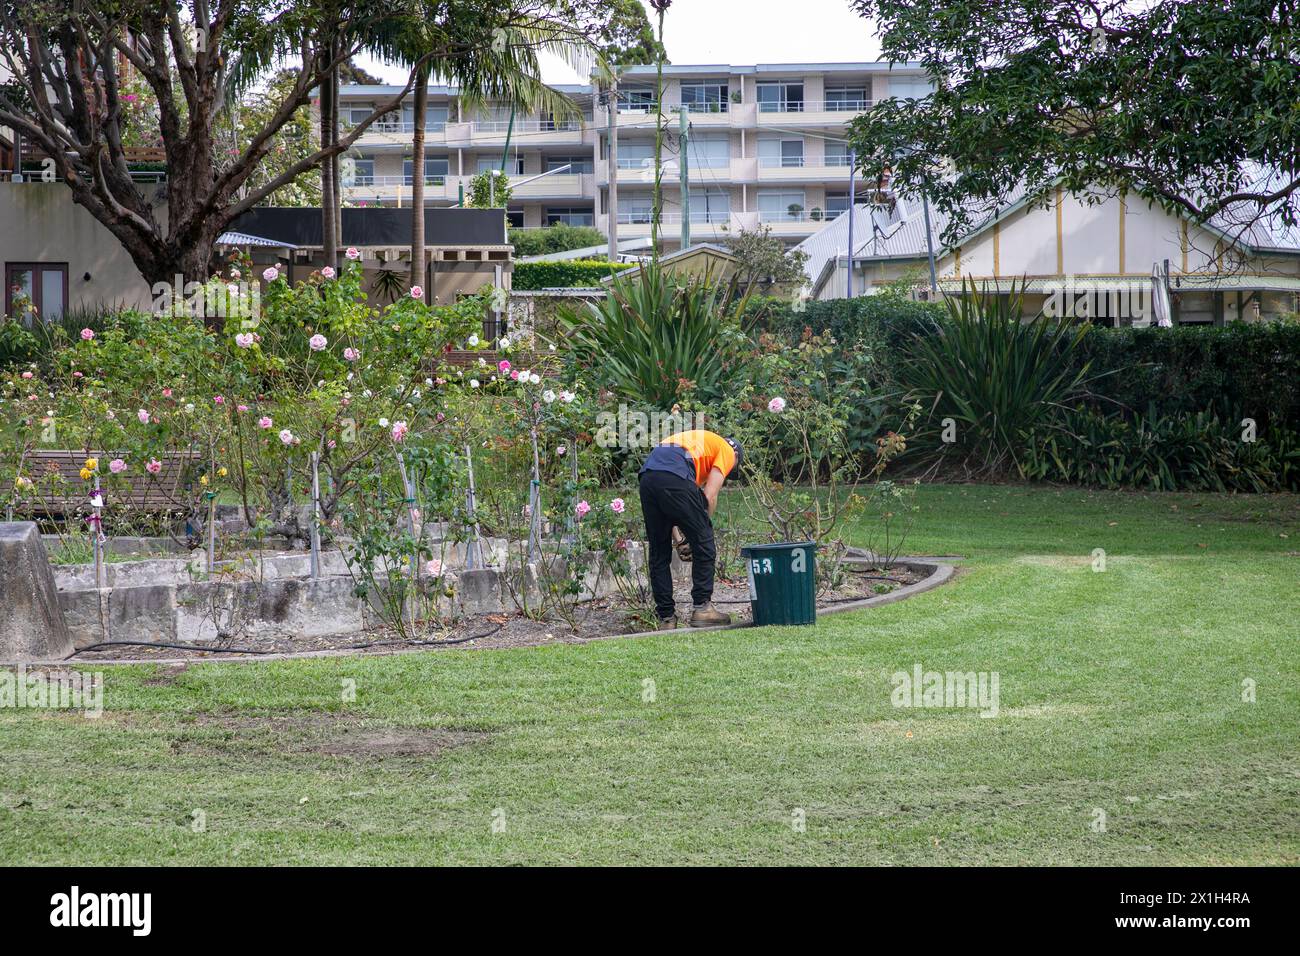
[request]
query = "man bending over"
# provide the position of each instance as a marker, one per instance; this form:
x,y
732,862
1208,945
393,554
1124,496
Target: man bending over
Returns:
x,y
680,481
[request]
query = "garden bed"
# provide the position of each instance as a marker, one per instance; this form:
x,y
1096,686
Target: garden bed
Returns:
x,y
600,618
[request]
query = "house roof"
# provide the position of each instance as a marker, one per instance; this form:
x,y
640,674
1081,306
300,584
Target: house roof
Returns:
x,y
907,240
709,249
374,226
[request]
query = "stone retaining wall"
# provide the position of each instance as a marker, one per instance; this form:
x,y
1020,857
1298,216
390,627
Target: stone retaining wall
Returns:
x,y
172,600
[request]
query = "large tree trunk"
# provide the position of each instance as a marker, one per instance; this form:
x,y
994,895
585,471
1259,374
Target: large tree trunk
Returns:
x,y
336,177
417,178
329,113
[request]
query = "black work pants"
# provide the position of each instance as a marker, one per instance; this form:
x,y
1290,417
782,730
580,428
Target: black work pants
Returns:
x,y
669,501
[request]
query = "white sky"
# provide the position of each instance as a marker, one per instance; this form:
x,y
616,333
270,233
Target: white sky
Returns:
x,y
743,32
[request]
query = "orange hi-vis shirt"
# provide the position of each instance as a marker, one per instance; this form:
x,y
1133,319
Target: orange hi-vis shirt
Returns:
x,y
707,451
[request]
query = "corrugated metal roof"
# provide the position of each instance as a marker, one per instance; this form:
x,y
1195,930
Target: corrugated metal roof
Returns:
x,y
244,239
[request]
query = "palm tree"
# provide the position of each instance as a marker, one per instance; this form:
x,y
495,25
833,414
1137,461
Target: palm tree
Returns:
x,y
486,61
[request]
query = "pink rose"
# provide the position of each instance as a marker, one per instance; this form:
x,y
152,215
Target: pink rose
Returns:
x,y
87,334
417,292
241,408
166,393
433,567
219,399
318,342
264,422
353,252
328,272
351,354
618,505
399,431
286,436
503,366
27,374
154,466
271,274
143,416
582,509
244,340
117,466
776,406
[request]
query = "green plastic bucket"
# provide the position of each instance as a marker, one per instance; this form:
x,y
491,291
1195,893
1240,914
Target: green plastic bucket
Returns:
x,y
782,582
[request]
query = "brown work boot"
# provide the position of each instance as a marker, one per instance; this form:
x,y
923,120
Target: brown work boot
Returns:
x,y
706,615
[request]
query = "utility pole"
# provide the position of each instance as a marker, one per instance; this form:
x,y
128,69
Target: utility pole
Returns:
x,y
684,132
611,210
853,201
929,246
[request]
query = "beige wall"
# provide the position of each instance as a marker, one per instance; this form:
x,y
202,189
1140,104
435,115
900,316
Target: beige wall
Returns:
x,y
40,223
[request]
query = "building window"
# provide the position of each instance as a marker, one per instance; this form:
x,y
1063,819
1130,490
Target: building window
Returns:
x,y
846,99
636,156
710,152
781,97
515,217
636,210
569,216
514,165
837,204
36,289
780,205
710,206
636,100
910,87
837,154
358,171
435,118
435,171
576,164
705,97
390,122
780,153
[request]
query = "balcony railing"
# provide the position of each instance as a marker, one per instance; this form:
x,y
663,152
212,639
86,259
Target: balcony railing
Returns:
x,y
719,107
398,126
781,162
700,217
815,106
785,215
392,181
529,126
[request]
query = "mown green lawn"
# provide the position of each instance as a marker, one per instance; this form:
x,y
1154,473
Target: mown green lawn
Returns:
x,y
1120,693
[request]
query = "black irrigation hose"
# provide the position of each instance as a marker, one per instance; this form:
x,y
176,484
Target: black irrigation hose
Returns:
x,y
177,647
457,640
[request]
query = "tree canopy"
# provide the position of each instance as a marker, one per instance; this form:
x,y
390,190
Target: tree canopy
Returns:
x,y
71,65
1191,104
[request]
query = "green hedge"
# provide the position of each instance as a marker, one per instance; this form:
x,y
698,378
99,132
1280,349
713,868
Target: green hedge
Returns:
x,y
1235,371
566,274
1164,406
552,239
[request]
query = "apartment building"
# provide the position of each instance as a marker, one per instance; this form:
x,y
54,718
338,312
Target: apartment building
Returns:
x,y
765,145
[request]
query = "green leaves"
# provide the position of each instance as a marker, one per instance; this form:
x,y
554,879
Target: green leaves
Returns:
x,y
994,374
658,340
1178,101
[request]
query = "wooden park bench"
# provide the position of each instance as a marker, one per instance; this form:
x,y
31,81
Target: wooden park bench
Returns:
x,y
150,493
